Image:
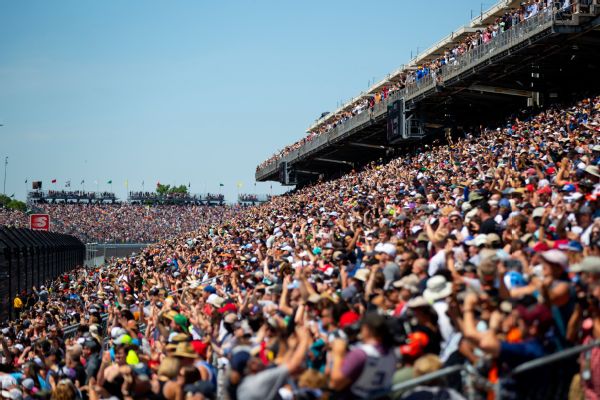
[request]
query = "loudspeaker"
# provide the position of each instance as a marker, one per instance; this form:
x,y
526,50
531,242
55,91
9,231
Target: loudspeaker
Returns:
x,y
395,120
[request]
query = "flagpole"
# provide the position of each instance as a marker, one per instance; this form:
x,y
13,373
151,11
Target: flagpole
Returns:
x,y
5,167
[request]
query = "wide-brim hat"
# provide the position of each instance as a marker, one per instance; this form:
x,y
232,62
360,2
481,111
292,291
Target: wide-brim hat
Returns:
x,y
437,288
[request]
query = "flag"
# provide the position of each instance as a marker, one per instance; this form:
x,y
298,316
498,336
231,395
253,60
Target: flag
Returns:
x,y
25,180
189,184
82,181
157,183
239,184
53,180
12,195
68,183
126,183
109,182
220,184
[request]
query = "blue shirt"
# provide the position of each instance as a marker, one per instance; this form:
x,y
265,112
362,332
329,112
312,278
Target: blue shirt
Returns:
x,y
514,354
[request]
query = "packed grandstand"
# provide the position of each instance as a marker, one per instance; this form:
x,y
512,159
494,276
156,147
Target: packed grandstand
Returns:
x,y
438,274
486,250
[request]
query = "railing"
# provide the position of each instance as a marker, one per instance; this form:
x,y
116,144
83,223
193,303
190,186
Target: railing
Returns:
x,y
59,194
474,386
176,197
516,34
253,198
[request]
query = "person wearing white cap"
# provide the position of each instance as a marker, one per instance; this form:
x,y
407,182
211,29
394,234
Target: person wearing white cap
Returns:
x,y
391,270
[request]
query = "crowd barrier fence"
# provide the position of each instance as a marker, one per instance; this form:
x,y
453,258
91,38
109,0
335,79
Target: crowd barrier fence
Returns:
x,y
536,379
32,258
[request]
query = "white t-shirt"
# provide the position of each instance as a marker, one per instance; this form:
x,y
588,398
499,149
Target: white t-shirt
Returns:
x,y
437,263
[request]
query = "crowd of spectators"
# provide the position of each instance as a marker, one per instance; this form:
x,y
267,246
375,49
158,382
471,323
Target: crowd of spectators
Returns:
x,y
433,68
482,252
120,223
13,218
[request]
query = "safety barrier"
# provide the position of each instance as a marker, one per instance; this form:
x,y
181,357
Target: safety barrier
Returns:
x,y
32,258
536,379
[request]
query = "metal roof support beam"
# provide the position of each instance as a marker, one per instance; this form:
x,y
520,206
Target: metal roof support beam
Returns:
x,y
500,90
334,161
368,146
303,171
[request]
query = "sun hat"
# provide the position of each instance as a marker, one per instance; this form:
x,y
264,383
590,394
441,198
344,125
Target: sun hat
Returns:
x,y
178,338
13,394
479,240
593,170
437,288
418,302
409,282
555,257
215,300
492,238
589,264
185,350
362,274
538,212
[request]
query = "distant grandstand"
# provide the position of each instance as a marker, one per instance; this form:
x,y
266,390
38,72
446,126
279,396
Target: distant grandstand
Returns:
x,y
38,196
70,196
176,198
478,75
253,199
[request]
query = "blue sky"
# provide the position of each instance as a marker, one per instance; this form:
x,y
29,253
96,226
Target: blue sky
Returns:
x,y
188,91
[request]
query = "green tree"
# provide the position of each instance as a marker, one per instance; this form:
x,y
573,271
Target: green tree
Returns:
x,y
167,189
17,205
162,189
4,200
179,189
